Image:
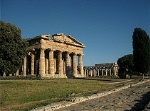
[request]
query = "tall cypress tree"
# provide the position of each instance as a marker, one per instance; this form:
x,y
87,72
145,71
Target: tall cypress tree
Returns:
x,y
141,51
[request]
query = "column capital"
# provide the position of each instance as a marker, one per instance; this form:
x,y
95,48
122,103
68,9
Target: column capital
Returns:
x,y
42,48
50,49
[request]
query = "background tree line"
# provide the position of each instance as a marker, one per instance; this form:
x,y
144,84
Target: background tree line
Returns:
x,y
139,61
12,48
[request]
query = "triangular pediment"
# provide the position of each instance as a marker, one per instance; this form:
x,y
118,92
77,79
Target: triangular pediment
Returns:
x,y
67,39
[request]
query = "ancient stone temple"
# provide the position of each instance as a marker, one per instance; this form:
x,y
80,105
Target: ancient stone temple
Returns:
x,y
102,70
59,56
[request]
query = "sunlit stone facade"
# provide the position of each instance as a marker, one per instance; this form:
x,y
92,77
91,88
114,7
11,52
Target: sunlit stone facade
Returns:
x,y
59,56
101,70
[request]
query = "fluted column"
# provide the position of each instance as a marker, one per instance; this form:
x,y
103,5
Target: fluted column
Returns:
x,y
24,66
81,65
51,62
67,60
42,63
46,66
74,65
60,63
32,64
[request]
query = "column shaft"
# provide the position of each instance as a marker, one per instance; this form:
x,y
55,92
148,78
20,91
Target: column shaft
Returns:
x,y
74,65
42,63
17,72
80,65
67,60
60,63
102,72
32,64
24,66
46,66
106,70
51,61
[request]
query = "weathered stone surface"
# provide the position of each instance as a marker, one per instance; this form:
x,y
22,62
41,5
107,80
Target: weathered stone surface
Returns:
x,y
133,98
54,57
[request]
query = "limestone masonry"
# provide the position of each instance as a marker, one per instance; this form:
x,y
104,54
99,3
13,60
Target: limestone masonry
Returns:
x,y
59,56
105,69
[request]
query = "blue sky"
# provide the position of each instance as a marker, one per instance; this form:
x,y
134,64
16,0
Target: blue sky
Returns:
x,y
104,26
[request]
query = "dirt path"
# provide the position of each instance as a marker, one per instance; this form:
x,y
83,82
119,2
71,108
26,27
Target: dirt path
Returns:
x,y
136,98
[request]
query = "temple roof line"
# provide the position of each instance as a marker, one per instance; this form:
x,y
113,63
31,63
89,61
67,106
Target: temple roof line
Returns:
x,y
59,37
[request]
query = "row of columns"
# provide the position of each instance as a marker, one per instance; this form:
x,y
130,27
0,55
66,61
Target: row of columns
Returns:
x,y
47,66
93,72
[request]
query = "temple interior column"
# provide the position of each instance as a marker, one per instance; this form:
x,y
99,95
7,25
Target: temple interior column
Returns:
x,y
42,63
24,66
51,62
67,60
60,63
32,64
46,66
64,67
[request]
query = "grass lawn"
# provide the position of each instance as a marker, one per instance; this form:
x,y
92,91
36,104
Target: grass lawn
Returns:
x,y
27,94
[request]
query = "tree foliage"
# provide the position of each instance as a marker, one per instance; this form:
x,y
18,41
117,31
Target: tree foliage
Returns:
x,y
12,48
141,50
126,65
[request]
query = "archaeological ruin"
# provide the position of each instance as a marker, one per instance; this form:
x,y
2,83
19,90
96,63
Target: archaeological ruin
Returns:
x,y
59,56
101,70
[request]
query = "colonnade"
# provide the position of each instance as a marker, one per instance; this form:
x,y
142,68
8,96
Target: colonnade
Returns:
x,y
53,63
100,71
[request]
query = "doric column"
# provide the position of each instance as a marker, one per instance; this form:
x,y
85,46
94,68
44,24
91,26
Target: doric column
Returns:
x,y
17,72
84,72
67,60
110,72
98,72
91,72
80,65
32,64
51,62
115,71
42,63
60,63
46,66
24,66
74,65
106,70
102,72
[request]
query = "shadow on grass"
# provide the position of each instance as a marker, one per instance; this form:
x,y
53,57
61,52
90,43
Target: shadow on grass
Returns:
x,y
142,103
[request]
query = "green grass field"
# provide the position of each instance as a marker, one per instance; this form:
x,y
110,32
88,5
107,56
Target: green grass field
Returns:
x,y
27,94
